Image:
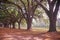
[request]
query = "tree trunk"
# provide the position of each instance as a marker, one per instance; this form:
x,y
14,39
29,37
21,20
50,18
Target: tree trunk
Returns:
x,y
29,21
6,25
13,25
10,25
19,25
52,27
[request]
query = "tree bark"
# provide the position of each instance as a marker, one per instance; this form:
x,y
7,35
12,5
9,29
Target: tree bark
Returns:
x,y
19,25
52,27
29,21
13,25
6,25
10,25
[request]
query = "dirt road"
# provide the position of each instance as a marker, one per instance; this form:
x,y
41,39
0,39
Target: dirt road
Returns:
x,y
27,35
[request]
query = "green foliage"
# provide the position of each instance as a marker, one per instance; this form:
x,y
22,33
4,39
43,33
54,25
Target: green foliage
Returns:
x,y
23,22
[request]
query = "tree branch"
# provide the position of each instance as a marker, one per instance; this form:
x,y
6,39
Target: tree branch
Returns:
x,y
44,8
34,7
28,5
8,2
56,8
24,6
53,2
48,1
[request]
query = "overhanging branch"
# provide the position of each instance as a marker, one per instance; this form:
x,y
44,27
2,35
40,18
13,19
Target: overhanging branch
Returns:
x,y
56,8
24,5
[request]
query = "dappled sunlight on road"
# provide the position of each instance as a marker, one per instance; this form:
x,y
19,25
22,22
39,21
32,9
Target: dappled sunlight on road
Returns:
x,y
14,34
29,37
48,39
